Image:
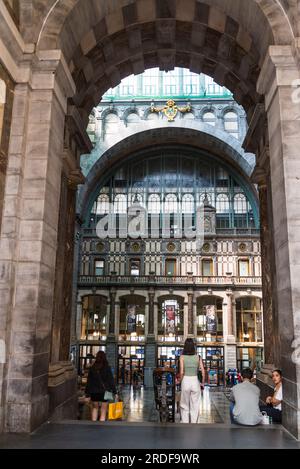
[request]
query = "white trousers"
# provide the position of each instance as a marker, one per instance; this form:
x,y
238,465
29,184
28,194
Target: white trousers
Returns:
x,y
190,399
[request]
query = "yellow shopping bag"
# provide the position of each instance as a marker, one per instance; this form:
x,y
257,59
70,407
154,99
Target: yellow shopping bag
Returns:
x,y
115,411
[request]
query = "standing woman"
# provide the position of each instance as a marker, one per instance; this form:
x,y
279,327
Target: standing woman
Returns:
x,y
100,379
190,364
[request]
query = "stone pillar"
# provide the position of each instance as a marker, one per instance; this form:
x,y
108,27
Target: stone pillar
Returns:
x,y
150,347
191,313
228,327
28,243
62,309
262,178
111,342
279,71
76,315
6,104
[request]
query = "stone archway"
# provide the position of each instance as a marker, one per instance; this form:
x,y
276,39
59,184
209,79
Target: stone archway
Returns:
x,y
80,49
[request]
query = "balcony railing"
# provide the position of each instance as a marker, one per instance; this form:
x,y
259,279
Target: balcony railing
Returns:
x,y
219,231
86,280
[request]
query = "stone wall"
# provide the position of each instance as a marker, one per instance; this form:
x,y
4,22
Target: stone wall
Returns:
x,y
6,104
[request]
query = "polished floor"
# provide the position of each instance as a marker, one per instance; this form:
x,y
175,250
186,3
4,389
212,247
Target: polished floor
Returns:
x,y
139,406
141,429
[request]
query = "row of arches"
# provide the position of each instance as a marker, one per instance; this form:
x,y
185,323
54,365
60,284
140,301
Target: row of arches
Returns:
x,y
248,327
111,121
171,203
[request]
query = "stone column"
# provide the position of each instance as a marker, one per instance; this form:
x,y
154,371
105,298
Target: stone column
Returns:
x,y
150,348
262,178
6,104
191,313
62,309
279,71
28,243
75,321
151,312
228,327
111,342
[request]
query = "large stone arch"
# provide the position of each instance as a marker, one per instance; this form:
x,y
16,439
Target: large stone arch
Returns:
x,y
203,139
79,49
228,42
87,162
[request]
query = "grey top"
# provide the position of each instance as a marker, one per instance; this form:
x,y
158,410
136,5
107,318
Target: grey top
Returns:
x,y
246,397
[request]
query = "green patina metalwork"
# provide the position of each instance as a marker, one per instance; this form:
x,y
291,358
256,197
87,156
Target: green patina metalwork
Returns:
x,y
179,84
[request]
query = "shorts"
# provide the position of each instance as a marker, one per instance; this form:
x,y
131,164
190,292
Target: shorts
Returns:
x,y
98,397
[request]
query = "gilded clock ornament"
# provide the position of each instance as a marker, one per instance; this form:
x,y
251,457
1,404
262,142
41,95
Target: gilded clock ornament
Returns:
x,y
171,109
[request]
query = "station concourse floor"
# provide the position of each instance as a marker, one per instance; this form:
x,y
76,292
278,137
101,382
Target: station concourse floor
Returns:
x,y
141,429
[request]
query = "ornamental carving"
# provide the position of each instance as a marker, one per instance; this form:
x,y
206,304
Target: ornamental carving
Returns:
x,y
170,110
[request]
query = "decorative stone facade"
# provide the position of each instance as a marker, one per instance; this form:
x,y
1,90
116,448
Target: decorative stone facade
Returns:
x,y
61,60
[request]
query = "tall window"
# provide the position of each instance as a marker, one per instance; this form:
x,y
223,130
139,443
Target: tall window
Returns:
x,y
188,205
222,203
94,317
99,267
103,204
170,83
154,203
231,124
249,319
132,318
170,267
151,82
209,319
170,320
240,203
120,205
135,267
171,203
207,267
191,83
243,268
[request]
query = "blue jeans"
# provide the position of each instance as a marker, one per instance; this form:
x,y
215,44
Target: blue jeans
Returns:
x,y
232,419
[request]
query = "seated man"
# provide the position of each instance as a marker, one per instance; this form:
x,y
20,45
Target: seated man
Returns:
x,y
244,407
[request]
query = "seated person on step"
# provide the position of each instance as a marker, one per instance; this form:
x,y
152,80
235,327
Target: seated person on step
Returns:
x,y
274,403
244,407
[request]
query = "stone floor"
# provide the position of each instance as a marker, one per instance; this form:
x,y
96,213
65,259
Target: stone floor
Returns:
x,y
131,436
141,429
139,406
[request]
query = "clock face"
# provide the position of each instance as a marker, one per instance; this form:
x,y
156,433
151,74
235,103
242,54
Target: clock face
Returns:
x,y
171,247
136,247
243,247
100,247
206,247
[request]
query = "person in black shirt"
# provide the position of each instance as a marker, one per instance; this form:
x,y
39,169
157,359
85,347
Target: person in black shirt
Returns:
x,y
100,379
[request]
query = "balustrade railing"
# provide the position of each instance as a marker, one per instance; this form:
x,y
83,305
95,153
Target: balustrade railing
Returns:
x,y
167,280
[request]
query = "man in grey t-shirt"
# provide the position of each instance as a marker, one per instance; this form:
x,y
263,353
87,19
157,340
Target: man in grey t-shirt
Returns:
x,y
244,408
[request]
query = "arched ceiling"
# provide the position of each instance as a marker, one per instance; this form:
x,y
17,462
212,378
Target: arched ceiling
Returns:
x,y
151,138
107,40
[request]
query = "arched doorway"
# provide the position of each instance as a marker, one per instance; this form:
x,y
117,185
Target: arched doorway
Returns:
x,y
81,66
